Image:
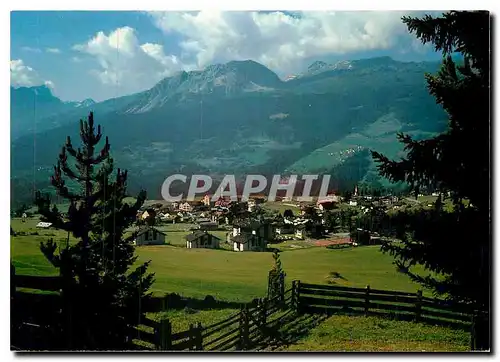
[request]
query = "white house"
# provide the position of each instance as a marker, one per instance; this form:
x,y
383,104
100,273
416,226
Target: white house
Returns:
x,y
44,225
328,198
186,207
206,200
353,203
251,205
328,202
299,232
150,236
146,214
202,239
236,231
262,229
248,242
165,216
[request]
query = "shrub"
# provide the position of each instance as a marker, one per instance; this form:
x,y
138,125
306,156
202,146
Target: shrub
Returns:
x,y
209,301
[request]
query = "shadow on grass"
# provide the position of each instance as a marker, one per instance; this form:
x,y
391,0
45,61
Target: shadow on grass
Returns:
x,y
291,327
285,331
399,316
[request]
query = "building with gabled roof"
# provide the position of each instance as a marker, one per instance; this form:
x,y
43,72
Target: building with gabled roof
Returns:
x,y
150,235
248,242
202,239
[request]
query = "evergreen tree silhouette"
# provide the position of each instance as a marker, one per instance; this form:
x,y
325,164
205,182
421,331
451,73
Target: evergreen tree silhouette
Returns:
x,y
102,296
454,244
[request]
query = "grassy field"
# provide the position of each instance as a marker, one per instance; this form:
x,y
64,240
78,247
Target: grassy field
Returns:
x,y
372,334
226,274
281,206
233,276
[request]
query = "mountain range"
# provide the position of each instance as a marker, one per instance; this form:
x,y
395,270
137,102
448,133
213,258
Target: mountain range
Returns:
x,y
238,118
31,106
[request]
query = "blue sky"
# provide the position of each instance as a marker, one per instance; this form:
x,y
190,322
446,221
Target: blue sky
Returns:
x,y
103,54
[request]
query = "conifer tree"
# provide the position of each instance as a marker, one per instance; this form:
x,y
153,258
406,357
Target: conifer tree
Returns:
x,y
276,277
288,214
102,293
452,244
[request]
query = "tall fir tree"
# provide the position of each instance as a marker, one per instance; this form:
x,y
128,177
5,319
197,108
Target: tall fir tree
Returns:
x,y
102,293
452,244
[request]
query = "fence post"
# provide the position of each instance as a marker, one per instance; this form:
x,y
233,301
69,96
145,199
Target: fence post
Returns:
x,y
282,289
263,311
192,337
164,303
244,328
418,306
480,331
297,294
473,332
165,335
12,280
367,300
270,284
199,337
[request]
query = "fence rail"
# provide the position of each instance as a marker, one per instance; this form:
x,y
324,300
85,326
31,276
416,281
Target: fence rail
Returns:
x,y
38,282
330,299
255,323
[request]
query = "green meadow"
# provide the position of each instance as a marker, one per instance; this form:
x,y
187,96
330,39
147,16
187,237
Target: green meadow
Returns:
x,y
242,276
224,274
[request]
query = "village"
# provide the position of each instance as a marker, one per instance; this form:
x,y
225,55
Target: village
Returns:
x,y
260,225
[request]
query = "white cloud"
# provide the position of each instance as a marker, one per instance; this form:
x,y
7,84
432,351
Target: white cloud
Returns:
x,y
281,41
22,75
32,50
49,84
125,63
53,50
278,40
76,59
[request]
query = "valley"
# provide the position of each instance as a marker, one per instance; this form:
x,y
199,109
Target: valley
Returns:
x,y
240,118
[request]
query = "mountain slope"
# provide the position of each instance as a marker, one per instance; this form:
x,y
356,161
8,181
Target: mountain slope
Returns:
x,y
32,107
240,118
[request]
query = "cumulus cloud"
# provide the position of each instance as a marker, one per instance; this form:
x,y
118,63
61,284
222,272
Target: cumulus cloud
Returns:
x,y
125,63
53,50
22,75
280,40
32,50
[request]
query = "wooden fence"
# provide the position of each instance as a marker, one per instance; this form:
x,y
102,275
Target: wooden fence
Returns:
x,y
255,324
36,282
35,318
240,331
234,332
313,298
